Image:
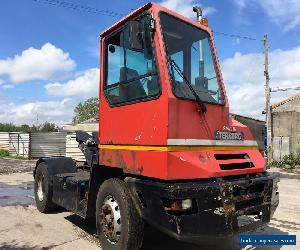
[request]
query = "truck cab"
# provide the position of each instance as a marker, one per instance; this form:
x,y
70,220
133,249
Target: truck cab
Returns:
x,y
148,109
167,152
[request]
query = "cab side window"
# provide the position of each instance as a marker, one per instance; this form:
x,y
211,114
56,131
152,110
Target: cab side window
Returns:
x,y
131,75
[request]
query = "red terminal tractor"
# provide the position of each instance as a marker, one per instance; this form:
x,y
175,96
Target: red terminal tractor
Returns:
x,y
167,152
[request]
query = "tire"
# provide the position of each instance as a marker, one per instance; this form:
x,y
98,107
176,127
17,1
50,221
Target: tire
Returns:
x,y
43,190
114,195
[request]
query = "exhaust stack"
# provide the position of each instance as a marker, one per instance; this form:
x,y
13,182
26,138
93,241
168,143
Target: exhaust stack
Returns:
x,y
198,10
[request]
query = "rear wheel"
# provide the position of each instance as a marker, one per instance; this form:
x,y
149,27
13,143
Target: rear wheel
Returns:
x,y
119,225
43,189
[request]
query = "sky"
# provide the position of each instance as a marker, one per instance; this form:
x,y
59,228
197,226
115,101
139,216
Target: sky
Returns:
x,y
49,54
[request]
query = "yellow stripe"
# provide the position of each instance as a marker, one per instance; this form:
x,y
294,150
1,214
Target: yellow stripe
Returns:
x,y
174,148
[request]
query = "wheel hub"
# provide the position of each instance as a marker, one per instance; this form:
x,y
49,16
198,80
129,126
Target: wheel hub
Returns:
x,y
40,192
110,219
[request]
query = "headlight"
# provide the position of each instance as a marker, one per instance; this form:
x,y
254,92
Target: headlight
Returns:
x,y
186,204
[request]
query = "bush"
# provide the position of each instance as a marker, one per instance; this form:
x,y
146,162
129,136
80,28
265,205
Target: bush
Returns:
x,y
276,164
292,160
289,161
4,153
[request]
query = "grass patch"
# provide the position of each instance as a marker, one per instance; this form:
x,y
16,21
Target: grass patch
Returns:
x,y
5,153
18,157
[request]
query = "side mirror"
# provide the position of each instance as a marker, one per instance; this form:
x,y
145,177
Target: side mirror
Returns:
x,y
135,35
111,48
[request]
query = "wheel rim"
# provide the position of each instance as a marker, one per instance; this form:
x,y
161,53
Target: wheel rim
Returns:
x,y
110,219
40,193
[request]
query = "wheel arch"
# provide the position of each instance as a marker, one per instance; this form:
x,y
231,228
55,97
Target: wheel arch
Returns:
x,y
99,174
57,165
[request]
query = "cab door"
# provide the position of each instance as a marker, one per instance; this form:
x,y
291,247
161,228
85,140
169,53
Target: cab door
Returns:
x,y
132,108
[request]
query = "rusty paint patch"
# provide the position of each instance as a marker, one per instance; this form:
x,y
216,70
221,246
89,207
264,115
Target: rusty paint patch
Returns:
x,y
133,157
102,153
109,160
140,169
120,161
203,157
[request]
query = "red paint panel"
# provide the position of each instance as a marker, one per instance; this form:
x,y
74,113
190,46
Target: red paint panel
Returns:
x,y
202,164
177,165
136,124
145,163
199,125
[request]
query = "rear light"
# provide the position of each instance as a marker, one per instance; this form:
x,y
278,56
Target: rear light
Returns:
x,y
175,206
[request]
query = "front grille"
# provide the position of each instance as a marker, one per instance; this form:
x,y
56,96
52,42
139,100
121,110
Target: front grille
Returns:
x,y
240,190
223,157
234,161
248,203
248,196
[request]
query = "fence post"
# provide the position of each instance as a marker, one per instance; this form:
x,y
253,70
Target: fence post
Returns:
x,y
29,146
18,144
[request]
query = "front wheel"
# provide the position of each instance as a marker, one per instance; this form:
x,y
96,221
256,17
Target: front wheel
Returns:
x,y
119,225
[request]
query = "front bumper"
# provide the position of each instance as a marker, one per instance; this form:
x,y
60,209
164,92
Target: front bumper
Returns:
x,y
220,205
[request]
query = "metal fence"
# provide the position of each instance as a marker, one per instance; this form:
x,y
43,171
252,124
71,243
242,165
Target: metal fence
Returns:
x,y
36,145
47,144
72,149
19,144
281,147
4,140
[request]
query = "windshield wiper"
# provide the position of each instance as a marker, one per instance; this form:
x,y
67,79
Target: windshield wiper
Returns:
x,y
175,66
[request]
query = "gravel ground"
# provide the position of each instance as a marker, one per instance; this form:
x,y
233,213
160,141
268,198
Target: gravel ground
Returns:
x,y
23,227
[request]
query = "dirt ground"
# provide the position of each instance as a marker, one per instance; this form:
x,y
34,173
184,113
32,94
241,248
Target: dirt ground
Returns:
x,y
9,165
23,227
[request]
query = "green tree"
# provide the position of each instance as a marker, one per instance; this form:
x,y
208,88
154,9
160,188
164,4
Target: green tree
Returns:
x,y
48,127
86,110
45,127
7,127
25,128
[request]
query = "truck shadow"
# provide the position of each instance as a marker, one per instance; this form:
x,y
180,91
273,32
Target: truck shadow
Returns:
x,y
156,240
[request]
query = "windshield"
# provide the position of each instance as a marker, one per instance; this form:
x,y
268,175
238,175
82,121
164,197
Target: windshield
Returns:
x,y
189,47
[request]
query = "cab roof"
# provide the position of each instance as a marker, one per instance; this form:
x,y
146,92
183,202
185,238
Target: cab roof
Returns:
x,y
128,17
148,6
